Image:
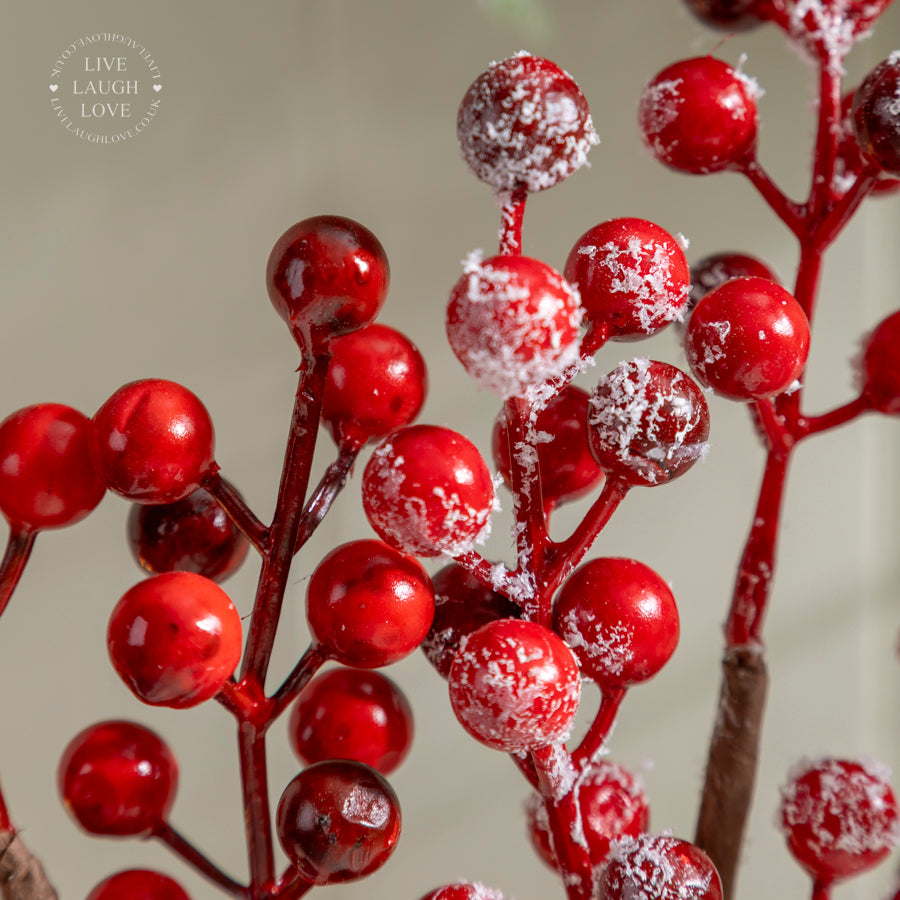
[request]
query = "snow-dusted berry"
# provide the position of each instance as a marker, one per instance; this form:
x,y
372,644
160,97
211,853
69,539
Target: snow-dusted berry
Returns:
x,y
876,115
463,890
828,29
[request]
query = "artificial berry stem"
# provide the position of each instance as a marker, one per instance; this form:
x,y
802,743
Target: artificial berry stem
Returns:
x,y
5,824
183,848
234,505
821,891
18,549
596,736
790,212
257,814
331,484
291,886
841,415
512,216
821,192
310,663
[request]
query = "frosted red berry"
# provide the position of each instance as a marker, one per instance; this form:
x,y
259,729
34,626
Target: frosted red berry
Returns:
x,y
153,441
828,29
338,821
611,804
648,423
515,686
327,276
748,339
620,619
427,490
174,639
138,884
730,15
191,535
661,867
880,366
462,605
352,714
712,271
47,477
368,604
463,890
632,276
699,116
524,124
376,383
876,115
513,322
118,778
839,816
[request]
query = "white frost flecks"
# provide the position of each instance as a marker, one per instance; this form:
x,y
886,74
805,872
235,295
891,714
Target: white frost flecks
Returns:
x,y
367,807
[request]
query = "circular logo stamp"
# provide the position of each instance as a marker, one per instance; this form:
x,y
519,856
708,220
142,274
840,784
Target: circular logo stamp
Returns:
x,y
105,88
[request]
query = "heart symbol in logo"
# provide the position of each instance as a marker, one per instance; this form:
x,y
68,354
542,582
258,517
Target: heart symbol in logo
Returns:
x,y
157,87
54,88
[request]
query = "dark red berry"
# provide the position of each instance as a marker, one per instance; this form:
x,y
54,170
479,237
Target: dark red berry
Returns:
x,y
850,160
174,639
368,604
620,619
47,477
463,890
649,422
352,714
699,116
632,276
190,535
524,123
118,778
880,366
428,491
876,115
327,276
338,821
839,816
513,322
712,271
730,15
515,686
138,884
153,441
376,383
748,339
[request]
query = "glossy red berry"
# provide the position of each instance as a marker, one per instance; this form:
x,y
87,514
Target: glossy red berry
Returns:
x,y
524,123
368,604
632,276
839,816
462,605
850,160
712,271
47,477
338,821
352,714
327,276
661,867
174,639
427,490
730,15
153,441
620,619
376,383
118,778
876,115
610,803
190,535
748,339
515,686
138,884
880,366
699,116
649,422
463,890
568,469
513,322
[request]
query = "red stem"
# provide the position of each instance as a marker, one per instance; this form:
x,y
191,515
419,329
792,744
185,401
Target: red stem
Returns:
x,y
291,886
821,190
835,417
18,549
182,847
512,215
331,484
310,663
601,728
5,824
821,891
787,210
257,814
234,505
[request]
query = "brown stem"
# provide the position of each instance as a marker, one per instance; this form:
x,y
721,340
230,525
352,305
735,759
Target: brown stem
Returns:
x,y
21,875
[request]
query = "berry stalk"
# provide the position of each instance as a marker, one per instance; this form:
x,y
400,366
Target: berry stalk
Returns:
x,y
18,550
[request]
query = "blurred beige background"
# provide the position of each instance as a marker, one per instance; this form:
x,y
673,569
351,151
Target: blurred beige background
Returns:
x,y
147,259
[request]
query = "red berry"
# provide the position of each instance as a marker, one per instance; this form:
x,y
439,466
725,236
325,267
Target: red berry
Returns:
x,y
568,470
427,490
850,160
515,686
712,271
620,619
661,867
327,275
118,778
876,115
47,478
699,116
829,28
190,535
153,441
880,368
138,884
462,605
369,605
748,339
376,383
338,821
463,890
649,422
352,714
611,805
174,639
524,123
513,322
840,817
632,276
730,15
